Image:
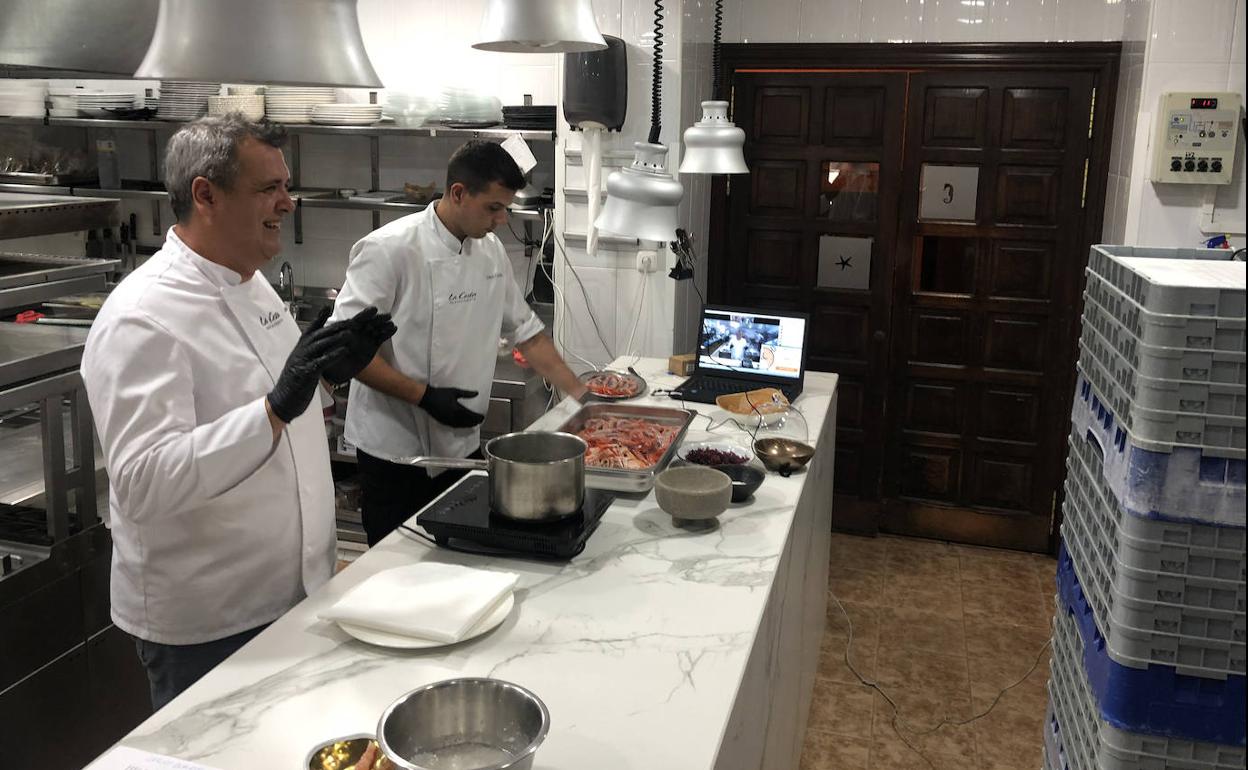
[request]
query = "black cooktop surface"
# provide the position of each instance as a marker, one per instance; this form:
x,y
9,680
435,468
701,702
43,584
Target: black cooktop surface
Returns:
x,y
462,519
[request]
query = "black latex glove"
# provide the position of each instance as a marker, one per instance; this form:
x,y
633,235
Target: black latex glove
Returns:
x,y
317,348
443,405
367,330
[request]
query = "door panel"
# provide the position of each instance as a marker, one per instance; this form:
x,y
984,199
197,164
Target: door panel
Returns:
x,y
981,311
824,151
953,331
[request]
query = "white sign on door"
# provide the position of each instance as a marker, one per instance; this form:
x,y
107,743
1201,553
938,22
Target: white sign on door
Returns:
x,y
845,262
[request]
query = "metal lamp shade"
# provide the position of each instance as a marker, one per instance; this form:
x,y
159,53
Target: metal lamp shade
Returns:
x,y
642,199
539,26
714,145
283,42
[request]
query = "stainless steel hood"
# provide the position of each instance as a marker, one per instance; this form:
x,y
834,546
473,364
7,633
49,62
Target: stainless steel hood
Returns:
x,y
281,42
104,37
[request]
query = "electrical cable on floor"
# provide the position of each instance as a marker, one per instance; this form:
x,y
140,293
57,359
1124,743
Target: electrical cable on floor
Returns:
x,y
896,712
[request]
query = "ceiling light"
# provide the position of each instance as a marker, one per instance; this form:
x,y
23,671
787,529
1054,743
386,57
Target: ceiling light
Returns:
x,y
714,145
283,42
642,199
539,26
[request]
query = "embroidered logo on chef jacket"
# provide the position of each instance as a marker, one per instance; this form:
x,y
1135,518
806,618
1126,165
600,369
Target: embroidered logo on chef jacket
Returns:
x,y
270,319
458,297
492,276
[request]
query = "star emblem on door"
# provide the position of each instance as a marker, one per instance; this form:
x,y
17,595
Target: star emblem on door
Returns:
x,y
844,262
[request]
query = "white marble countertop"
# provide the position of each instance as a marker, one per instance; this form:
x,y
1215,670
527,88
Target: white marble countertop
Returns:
x,y
637,646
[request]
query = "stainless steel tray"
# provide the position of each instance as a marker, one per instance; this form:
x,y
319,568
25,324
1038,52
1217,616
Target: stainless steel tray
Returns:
x,y
618,479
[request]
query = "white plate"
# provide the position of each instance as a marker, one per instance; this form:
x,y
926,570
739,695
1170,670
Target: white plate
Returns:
x,y
387,639
722,446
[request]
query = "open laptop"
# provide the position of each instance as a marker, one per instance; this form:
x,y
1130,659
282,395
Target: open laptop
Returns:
x,y
743,349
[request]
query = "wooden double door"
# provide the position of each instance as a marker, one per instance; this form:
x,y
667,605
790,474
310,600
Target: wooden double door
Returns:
x,y
934,222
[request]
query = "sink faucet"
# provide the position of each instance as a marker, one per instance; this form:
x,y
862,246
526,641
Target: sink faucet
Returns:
x,y
286,283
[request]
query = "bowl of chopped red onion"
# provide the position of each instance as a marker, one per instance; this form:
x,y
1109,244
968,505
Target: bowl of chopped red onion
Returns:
x,y
713,453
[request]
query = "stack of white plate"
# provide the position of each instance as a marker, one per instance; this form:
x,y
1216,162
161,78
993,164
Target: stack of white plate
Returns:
x,y
251,106
23,98
185,99
342,114
94,104
291,104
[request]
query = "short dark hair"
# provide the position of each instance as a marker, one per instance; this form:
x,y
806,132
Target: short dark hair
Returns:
x,y
477,163
209,148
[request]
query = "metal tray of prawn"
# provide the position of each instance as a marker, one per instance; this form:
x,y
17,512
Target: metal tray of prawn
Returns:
x,y
620,479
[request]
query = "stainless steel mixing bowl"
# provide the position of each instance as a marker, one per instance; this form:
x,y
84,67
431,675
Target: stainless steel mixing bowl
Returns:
x,y
474,724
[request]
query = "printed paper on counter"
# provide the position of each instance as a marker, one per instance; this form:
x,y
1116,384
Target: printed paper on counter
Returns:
x,y
126,758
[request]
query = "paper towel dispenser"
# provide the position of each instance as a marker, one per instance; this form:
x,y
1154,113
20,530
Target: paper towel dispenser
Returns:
x,y
595,86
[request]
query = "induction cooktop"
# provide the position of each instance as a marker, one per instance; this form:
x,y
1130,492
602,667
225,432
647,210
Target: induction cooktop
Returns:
x,y
462,519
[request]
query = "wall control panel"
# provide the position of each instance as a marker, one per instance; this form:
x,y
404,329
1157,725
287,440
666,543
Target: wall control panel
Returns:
x,y
1196,135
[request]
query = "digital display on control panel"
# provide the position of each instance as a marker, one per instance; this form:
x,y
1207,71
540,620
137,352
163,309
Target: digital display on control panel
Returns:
x,y
1205,103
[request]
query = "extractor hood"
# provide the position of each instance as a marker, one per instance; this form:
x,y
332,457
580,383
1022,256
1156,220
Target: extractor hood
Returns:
x,y
281,42
80,36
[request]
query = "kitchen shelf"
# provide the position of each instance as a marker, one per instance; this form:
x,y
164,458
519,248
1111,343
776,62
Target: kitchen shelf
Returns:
x,y
24,214
496,132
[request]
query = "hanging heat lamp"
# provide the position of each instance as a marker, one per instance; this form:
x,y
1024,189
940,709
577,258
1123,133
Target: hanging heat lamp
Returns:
x,y
714,145
539,26
281,42
643,199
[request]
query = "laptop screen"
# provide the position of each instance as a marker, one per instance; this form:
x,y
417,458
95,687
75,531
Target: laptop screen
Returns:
x,y
761,343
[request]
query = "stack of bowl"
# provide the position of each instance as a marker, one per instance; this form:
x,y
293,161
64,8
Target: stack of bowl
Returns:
x,y
250,105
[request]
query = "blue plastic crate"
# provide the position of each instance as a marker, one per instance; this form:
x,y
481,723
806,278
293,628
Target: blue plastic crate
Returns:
x,y
1156,700
1162,481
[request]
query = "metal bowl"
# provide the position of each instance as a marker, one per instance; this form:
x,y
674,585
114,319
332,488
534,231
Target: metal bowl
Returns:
x,y
339,754
470,723
783,455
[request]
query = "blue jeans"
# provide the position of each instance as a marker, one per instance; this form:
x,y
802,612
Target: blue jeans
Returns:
x,y
171,668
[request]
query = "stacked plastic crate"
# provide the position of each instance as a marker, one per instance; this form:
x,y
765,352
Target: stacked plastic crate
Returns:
x,y
1148,642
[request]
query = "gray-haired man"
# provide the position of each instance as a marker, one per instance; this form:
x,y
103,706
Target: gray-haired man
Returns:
x,y
221,498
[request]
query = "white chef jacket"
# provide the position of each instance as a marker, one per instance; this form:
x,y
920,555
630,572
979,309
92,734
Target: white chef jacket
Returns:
x,y
216,529
450,304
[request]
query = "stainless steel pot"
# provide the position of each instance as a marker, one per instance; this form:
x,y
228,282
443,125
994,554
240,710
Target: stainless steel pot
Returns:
x,y
534,476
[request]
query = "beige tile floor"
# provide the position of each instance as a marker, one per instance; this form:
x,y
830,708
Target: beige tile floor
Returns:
x,y
942,628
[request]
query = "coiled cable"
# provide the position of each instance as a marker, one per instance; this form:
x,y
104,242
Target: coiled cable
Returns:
x,y
656,86
715,57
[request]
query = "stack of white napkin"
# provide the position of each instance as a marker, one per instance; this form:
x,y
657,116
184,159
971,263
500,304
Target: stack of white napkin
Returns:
x,y
441,602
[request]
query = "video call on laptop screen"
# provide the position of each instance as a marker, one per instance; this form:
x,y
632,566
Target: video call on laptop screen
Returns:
x,y
751,344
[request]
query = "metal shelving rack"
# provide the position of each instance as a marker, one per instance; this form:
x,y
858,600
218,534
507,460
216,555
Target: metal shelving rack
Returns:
x,y
309,198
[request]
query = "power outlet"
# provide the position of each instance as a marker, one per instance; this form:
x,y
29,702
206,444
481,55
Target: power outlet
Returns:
x,y
647,261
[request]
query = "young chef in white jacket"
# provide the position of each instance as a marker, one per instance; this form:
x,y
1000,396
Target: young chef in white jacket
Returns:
x,y
446,279
220,495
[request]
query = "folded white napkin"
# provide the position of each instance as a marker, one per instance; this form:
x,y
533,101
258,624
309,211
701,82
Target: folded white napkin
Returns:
x,y
441,602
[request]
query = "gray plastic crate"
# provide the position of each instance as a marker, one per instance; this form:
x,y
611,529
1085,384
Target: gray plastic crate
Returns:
x,y
1160,481
1186,618
1090,743
1191,282
1214,434
1154,393
1159,361
1164,330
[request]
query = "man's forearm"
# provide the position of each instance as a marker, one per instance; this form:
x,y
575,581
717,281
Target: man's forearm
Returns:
x,y
380,375
540,352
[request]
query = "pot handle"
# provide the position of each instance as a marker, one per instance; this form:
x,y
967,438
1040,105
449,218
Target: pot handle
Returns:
x,y
461,463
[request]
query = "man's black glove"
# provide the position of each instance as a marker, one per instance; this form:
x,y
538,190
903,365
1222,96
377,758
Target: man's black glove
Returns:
x,y
316,349
443,405
367,330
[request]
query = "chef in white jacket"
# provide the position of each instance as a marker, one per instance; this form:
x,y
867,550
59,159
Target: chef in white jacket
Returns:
x,y
202,388
446,279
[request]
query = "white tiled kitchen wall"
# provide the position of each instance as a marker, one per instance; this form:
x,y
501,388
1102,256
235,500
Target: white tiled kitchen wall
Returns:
x,y
423,45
